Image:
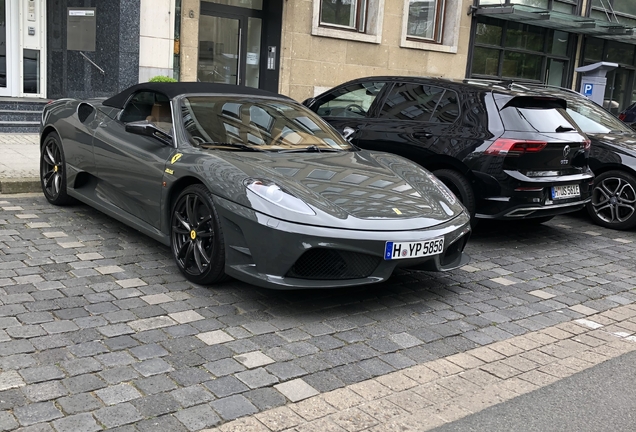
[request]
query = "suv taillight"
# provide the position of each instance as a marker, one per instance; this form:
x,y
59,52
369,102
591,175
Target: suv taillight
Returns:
x,y
511,147
622,116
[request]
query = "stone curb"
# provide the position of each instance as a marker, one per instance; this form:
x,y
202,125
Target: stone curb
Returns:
x,y
429,395
20,185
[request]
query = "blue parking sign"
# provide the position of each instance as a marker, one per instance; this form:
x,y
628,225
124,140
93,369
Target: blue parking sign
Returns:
x,y
588,89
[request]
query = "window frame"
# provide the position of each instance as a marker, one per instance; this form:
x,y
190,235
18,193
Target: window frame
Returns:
x,y
361,13
370,33
447,32
591,7
438,30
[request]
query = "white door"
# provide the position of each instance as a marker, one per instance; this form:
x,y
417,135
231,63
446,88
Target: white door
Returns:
x,y
31,59
9,48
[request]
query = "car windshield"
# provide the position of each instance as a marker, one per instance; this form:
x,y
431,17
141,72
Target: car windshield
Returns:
x,y
592,118
265,124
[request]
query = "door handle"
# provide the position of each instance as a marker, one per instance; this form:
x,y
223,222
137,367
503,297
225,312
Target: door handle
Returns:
x,y
102,124
422,135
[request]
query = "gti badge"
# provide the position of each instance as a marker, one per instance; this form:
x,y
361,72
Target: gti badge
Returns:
x,y
566,153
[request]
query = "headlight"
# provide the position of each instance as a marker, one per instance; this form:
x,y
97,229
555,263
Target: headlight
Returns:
x,y
273,193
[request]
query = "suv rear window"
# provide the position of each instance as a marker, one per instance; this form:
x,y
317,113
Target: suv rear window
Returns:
x,y
526,114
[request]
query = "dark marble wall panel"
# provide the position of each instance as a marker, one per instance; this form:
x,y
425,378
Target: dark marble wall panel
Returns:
x,y
116,50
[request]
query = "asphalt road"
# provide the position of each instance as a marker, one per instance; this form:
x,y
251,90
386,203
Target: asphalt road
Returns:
x,y
599,399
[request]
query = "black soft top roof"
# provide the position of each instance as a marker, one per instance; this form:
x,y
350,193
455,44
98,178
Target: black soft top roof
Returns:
x,y
171,90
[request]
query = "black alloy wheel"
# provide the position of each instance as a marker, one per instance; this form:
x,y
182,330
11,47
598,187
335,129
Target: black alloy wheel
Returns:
x,y
53,171
196,237
613,202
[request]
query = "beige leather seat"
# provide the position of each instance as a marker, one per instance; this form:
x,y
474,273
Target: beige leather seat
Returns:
x,y
161,115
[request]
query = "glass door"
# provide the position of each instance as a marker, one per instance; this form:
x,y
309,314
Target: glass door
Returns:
x,y
219,49
230,46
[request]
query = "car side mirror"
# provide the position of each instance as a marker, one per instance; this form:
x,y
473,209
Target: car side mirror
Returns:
x,y
146,128
348,132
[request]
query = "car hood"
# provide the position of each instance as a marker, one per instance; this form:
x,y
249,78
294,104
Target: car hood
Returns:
x,y
359,189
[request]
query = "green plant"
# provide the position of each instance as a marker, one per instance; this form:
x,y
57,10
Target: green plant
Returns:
x,y
162,78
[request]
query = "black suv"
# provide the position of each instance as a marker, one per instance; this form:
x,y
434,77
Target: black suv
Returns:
x,y
506,153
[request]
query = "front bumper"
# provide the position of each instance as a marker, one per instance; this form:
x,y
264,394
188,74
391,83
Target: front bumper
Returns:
x,y
265,251
530,198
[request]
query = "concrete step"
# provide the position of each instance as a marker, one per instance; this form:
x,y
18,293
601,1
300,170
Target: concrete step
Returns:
x,y
16,104
19,126
20,115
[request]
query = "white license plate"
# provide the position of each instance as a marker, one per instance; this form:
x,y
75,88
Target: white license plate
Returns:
x,y
401,250
562,192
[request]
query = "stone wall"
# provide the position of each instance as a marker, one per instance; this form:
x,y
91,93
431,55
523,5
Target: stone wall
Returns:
x,y
312,63
117,50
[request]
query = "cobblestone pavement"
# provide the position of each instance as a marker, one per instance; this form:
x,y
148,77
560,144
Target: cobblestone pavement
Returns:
x,y
99,330
440,392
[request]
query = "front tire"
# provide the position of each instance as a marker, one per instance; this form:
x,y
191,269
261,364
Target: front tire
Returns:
x,y
197,241
613,202
53,171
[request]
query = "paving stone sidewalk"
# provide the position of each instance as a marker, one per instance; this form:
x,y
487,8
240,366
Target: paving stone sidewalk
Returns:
x,y
20,163
426,396
98,329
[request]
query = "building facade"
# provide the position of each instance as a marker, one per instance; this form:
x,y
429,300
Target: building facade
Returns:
x,y
86,48
301,47
544,41
83,48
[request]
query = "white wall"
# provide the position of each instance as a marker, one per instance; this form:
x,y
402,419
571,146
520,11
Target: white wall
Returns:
x,y
156,41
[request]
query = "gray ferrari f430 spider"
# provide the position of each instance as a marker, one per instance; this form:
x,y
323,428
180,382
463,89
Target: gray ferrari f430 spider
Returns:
x,y
246,183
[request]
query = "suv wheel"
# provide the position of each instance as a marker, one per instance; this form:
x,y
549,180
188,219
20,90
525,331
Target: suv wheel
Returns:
x,y
613,202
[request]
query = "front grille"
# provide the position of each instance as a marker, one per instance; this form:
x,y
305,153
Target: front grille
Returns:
x,y
330,264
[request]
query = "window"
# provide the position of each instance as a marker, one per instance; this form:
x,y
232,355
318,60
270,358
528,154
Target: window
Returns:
x,y
432,25
269,125
425,19
624,7
420,103
358,20
508,49
349,14
352,101
150,106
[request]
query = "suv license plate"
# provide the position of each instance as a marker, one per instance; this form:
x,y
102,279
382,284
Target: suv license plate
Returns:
x,y
562,192
395,250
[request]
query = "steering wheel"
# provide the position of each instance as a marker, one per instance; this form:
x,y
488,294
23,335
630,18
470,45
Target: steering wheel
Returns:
x,y
355,107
